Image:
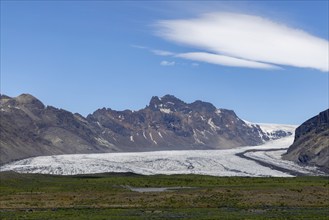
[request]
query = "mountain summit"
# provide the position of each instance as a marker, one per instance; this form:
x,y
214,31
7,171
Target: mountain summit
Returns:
x,y
28,128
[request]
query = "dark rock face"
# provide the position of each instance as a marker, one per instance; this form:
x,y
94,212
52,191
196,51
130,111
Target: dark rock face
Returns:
x,y
28,128
311,144
169,123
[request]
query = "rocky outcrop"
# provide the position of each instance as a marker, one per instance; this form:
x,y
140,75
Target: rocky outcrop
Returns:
x,y
311,144
28,128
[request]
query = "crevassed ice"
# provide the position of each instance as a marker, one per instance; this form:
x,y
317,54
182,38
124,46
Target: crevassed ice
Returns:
x,y
206,162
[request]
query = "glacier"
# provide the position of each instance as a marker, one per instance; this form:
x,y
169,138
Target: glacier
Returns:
x,y
225,162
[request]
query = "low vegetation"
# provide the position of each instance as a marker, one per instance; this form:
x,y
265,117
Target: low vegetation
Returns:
x,y
106,196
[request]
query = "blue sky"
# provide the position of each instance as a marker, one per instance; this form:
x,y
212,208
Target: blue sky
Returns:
x,y
266,60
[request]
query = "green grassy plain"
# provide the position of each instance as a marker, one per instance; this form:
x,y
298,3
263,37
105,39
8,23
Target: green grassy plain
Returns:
x,y
103,196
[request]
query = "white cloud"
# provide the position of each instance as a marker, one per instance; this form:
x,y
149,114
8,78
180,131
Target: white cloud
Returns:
x,y
224,60
162,52
246,40
167,63
154,51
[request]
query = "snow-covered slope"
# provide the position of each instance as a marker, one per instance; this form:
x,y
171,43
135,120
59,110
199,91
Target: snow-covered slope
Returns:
x,y
206,162
272,131
276,131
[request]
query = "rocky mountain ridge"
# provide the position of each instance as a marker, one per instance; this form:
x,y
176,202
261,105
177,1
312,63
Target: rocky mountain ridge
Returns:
x,y
29,128
311,144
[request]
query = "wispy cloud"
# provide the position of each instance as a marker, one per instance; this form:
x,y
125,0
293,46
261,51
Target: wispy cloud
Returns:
x,y
224,60
167,63
154,51
245,40
162,52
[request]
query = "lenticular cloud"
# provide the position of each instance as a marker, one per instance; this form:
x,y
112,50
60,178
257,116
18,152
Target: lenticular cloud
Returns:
x,y
253,40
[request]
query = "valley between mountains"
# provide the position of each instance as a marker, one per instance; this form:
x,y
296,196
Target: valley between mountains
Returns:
x,y
168,136
261,161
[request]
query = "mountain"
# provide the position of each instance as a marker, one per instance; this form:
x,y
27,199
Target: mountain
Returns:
x,y
311,144
169,123
29,128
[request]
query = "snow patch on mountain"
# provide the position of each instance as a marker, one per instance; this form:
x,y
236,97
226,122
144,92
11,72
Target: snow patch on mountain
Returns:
x,y
212,125
165,110
152,138
276,127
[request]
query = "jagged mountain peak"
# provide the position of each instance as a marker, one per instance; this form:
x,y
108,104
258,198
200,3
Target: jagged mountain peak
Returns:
x,y
170,103
154,102
170,98
166,102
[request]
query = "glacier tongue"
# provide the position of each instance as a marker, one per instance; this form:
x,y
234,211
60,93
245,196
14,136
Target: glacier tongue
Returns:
x,y
206,162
